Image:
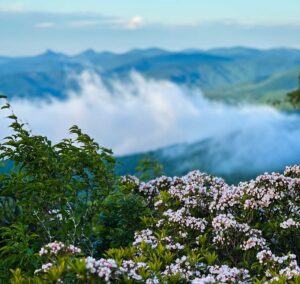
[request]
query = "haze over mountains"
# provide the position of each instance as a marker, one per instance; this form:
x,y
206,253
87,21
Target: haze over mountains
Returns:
x,y
227,74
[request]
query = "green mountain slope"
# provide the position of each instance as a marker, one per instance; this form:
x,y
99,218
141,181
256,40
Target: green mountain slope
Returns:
x,y
228,74
272,90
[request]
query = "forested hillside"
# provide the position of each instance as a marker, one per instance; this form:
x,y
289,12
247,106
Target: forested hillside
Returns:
x,y
231,74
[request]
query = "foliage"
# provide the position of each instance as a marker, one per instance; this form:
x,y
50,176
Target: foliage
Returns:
x,y
66,192
294,98
201,231
148,168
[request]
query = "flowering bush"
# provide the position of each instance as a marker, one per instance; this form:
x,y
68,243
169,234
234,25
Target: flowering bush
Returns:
x,y
201,230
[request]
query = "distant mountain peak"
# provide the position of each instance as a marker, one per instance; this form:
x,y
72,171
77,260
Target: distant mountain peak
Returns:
x,y
150,49
51,54
153,51
89,52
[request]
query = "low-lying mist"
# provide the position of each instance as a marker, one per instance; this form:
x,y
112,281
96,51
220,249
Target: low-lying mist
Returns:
x,y
142,114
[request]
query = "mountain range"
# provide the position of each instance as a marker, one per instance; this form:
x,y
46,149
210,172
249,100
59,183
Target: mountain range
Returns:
x,y
227,74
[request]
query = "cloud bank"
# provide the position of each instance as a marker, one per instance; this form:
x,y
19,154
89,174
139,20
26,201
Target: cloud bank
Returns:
x,y
45,25
143,114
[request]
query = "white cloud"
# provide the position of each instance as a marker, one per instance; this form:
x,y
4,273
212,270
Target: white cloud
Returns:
x,y
142,114
45,25
228,23
83,23
135,23
76,22
253,24
12,7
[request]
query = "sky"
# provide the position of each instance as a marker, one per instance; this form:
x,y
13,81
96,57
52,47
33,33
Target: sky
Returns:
x,y
29,27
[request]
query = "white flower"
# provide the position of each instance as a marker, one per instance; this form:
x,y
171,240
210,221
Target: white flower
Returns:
x,y
289,223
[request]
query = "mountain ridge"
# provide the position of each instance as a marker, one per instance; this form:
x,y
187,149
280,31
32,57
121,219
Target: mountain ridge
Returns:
x,y
213,71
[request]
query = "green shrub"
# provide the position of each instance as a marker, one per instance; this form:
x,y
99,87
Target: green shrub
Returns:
x,y
65,192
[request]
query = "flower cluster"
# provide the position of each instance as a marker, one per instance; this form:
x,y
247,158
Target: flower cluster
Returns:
x,y
286,265
130,181
224,274
183,218
145,236
293,171
290,223
224,223
55,248
104,268
109,271
202,230
129,268
181,267
45,268
241,217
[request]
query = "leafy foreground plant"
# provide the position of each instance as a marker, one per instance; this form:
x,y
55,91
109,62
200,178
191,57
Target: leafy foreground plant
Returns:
x,y
202,231
66,192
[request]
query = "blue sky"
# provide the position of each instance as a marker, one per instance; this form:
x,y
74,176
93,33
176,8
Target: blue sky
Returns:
x,y
32,26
